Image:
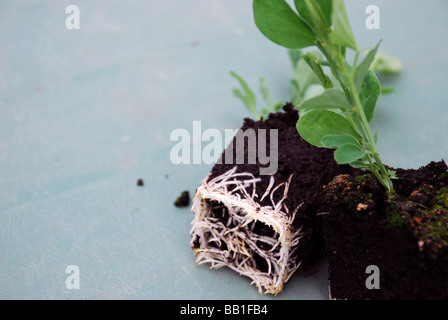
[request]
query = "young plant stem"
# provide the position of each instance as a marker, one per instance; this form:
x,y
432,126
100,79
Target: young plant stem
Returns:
x,y
367,132
336,62
325,24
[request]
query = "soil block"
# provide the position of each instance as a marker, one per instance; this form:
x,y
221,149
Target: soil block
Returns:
x,y
403,236
263,225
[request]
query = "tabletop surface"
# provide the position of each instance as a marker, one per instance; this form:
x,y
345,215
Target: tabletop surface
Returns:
x,y
85,113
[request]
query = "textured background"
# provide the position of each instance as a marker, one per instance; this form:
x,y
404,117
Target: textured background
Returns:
x,y
85,113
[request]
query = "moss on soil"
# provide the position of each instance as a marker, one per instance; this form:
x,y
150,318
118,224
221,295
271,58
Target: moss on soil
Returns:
x,y
424,212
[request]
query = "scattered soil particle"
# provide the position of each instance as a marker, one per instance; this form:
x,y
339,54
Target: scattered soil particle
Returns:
x,y
183,200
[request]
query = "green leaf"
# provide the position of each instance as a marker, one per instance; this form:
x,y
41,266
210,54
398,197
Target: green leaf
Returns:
x,y
331,98
386,64
325,6
280,24
312,13
369,93
271,108
348,153
333,141
248,97
304,76
342,34
278,105
387,90
295,55
316,124
359,164
296,95
393,175
363,67
344,51
271,105
313,91
265,92
313,63
264,112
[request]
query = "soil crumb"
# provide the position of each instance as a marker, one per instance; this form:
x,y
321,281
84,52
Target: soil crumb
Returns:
x,y
183,200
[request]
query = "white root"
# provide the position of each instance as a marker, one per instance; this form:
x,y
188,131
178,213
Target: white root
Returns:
x,y
232,241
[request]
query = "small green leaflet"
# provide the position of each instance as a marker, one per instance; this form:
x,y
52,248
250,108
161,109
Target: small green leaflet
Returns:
x,y
331,98
266,93
325,7
369,93
316,124
280,24
333,141
296,94
387,90
303,76
342,34
348,153
249,100
271,106
313,62
295,55
386,64
314,17
248,97
358,164
363,67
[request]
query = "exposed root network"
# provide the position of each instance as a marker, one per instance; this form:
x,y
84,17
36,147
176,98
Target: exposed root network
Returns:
x,y
226,229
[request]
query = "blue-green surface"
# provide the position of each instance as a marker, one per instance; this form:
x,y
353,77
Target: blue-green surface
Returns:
x,y
85,113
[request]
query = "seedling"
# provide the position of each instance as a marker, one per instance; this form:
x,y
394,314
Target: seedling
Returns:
x,y
338,118
248,97
302,84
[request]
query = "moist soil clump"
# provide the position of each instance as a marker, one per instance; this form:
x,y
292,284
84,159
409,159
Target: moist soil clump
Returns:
x,y
311,167
183,200
264,225
404,235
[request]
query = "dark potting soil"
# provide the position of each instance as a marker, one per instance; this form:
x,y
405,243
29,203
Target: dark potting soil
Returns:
x,y
311,167
353,220
404,236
